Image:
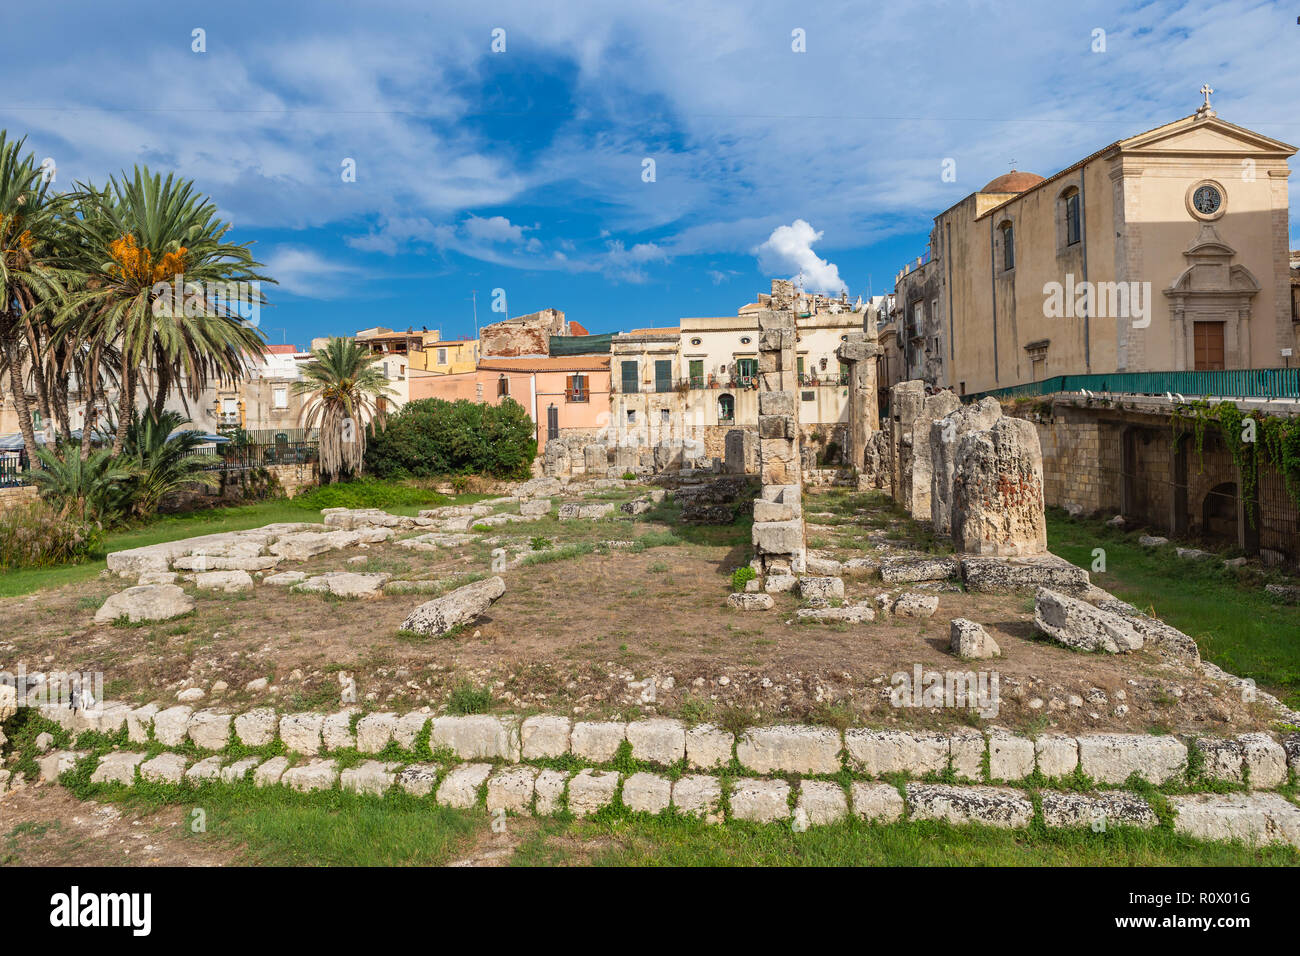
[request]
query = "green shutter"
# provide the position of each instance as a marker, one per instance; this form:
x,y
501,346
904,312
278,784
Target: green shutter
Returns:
x,y
630,381
663,375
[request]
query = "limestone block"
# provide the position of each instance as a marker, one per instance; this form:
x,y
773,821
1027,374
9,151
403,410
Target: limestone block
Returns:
x,y
708,747
647,793
760,801
461,786
990,806
790,749
597,741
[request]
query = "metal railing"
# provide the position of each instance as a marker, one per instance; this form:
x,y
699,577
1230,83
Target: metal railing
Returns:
x,y
1223,383
12,468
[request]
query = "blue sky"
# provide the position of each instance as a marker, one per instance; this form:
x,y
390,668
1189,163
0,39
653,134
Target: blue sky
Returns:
x,y
522,170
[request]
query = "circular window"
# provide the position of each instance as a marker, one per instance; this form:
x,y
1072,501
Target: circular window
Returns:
x,y
744,340
696,341
844,338
1205,200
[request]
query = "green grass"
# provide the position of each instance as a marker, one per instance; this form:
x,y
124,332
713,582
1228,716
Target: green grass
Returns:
x,y
667,841
1236,624
275,826
396,497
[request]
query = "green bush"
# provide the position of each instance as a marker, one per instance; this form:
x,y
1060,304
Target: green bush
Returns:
x,y
431,437
365,493
34,535
742,576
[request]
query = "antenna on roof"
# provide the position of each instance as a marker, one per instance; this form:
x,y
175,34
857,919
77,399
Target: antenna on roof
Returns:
x,y
474,296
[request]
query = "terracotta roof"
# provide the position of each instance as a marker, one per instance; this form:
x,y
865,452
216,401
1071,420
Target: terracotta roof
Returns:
x,y
282,349
668,330
1013,182
567,363
576,328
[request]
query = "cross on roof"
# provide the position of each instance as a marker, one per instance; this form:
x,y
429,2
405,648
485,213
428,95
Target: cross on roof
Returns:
x,y
1205,91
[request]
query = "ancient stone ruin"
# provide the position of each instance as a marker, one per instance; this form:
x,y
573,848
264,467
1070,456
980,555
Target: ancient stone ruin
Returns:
x,y
972,472
778,535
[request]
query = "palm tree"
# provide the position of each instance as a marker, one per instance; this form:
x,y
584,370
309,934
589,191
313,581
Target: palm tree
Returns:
x,y
346,391
163,459
135,239
92,488
28,278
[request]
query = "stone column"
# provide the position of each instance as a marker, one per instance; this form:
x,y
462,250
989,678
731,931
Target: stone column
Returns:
x,y
778,535
859,354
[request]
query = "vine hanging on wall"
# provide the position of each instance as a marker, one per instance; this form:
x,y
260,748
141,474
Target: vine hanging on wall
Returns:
x,y
1253,439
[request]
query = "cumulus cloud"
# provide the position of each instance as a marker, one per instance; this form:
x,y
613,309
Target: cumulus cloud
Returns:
x,y
788,251
493,229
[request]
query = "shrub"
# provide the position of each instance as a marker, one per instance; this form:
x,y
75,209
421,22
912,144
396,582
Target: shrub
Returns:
x,y
431,437
34,535
367,494
742,576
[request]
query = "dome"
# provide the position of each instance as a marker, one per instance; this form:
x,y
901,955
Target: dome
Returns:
x,y
1013,182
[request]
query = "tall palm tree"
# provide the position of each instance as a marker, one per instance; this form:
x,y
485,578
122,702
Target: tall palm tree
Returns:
x,y
134,236
29,280
346,392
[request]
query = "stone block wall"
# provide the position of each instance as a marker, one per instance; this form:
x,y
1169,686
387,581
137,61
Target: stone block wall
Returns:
x,y
16,495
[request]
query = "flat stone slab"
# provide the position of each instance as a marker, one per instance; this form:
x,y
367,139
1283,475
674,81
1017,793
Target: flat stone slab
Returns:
x,y
591,790
790,749
207,769
544,735
458,607
876,802
316,775
227,581
750,602
991,806
698,795
371,777
852,614
269,773
821,802
991,574
477,736
1077,624
347,584
709,747
1113,758
1254,819
257,727
597,740
914,752
145,602
659,740
760,801
907,570
647,793
461,785
164,768
117,767
511,788
418,779
1097,810
915,605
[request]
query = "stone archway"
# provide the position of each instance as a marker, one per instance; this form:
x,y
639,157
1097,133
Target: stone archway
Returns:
x,y
1219,512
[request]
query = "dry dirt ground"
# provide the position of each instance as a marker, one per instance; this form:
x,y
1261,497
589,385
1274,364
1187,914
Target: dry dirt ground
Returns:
x,y
48,826
616,632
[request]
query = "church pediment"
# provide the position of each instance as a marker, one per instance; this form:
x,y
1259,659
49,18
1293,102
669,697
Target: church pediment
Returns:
x,y
1205,136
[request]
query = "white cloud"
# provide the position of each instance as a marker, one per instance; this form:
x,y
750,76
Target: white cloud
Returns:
x,y
493,229
788,251
306,273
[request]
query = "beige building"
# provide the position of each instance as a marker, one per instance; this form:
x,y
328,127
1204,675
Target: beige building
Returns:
x,y
1166,251
699,380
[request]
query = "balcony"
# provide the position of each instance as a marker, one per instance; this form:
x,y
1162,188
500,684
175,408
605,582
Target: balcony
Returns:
x,y
577,395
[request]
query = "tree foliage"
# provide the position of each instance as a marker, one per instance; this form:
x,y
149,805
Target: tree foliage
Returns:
x,y
432,437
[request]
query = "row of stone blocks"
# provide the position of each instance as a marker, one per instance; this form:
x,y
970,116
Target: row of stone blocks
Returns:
x,y
523,789
1255,758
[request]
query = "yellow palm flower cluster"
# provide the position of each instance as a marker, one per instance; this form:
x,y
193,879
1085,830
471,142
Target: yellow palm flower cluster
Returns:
x,y
135,263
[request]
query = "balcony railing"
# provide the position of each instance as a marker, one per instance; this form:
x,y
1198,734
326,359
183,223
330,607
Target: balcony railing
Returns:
x,y
1226,383
577,395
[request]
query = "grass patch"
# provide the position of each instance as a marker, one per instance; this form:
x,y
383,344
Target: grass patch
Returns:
x,y
1235,623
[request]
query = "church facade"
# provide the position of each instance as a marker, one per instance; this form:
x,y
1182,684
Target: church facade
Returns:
x,y
1164,251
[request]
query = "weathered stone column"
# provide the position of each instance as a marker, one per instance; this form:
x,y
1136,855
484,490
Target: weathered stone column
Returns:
x,y
997,506
945,434
778,535
859,354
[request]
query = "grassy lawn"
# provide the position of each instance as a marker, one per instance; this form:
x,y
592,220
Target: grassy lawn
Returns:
x,y
275,826
1236,624
232,518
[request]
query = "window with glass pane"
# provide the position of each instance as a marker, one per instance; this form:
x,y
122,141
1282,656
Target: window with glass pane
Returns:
x,y
663,375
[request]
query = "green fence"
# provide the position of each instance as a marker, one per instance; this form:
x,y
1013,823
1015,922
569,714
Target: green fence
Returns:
x,y
581,344
1227,383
